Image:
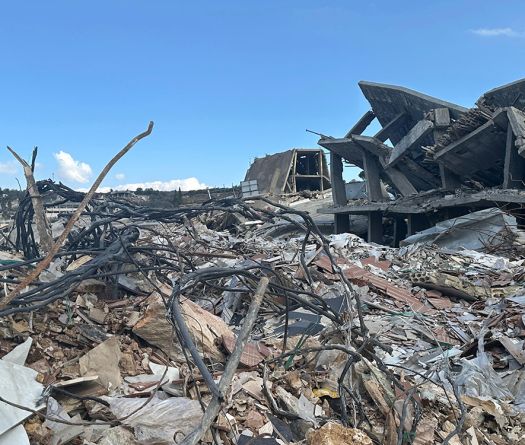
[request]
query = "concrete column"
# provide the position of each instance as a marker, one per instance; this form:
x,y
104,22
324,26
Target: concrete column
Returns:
x,y
375,227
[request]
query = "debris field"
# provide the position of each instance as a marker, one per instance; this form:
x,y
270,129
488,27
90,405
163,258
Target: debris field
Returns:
x,y
240,321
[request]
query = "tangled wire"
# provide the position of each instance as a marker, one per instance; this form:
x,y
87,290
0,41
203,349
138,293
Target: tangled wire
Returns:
x,y
111,234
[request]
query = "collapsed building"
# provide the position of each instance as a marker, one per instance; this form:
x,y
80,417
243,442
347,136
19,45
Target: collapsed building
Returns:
x,y
290,171
443,160
300,178
137,324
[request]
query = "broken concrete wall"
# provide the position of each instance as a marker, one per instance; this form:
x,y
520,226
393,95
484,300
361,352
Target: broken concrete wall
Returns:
x,y
436,149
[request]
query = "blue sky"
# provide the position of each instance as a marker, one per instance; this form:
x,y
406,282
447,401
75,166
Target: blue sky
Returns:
x,y
226,81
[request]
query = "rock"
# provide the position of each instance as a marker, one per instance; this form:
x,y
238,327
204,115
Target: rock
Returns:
x,y
127,363
254,420
335,434
155,329
86,300
300,428
36,430
204,327
103,361
118,436
97,315
160,370
42,366
64,319
94,433
133,318
91,285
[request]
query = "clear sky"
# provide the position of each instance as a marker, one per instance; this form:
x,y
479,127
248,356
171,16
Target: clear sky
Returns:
x,y
226,81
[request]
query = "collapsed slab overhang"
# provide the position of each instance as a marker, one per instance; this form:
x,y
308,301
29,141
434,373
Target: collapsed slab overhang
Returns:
x,y
389,101
437,146
479,154
510,94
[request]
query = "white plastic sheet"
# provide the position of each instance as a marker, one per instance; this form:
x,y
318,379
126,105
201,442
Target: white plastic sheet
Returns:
x,y
159,420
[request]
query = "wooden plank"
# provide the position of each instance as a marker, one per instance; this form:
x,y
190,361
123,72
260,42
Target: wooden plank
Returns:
x,y
400,181
362,124
392,126
373,181
411,140
514,168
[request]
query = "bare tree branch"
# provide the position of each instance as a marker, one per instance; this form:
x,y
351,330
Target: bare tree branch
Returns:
x,y
46,240
229,371
74,218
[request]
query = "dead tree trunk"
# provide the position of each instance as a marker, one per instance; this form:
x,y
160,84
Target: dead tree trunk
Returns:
x,y
46,240
73,219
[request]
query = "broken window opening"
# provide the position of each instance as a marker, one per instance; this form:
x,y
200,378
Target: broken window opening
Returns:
x,y
307,163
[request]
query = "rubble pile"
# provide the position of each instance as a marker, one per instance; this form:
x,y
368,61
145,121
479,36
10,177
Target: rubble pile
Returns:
x,y
191,325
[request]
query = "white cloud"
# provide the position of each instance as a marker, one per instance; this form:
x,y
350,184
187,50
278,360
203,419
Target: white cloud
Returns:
x,y
173,184
9,167
165,186
71,169
120,176
497,32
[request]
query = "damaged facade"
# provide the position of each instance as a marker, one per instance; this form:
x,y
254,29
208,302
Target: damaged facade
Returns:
x,y
443,161
291,171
